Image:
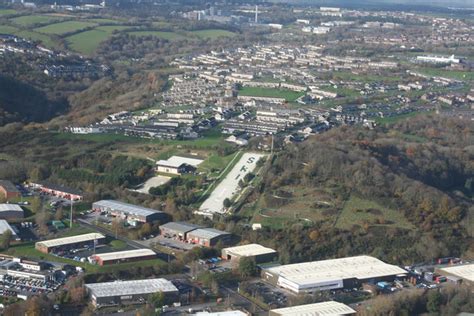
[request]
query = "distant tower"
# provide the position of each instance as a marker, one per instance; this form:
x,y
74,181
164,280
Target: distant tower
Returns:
x,y
256,14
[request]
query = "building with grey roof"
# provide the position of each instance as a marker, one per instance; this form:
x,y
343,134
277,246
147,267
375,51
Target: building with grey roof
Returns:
x,y
178,230
11,211
8,189
4,226
208,237
130,292
129,212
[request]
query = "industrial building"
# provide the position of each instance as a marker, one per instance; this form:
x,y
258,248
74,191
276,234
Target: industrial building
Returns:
x,y
58,190
178,165
54,245
465,272
4,226
257,252
130,292
331,274
129,212
11,211
9,190
208,237
329,308
122,256
177,230
223,313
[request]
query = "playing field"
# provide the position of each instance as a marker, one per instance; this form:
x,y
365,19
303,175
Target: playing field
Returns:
x,y
230,185
288,95
30,20
64,27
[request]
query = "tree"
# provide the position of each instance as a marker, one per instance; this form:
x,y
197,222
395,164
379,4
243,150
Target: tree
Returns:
x,y
59,214
247,267
227,203
157,299
6,239
36,204
434,301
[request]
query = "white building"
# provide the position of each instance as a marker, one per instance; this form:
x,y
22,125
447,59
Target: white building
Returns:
x,y
329,308
438,59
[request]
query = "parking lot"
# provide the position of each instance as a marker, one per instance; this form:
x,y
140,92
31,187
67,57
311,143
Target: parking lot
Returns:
x,y
274,297
14,286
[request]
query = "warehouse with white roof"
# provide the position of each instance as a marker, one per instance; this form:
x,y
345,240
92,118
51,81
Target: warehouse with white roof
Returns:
x,y
53,245
331,274
463,271
130,292
178,165
129,212
257,252
11,211
122,256
329,308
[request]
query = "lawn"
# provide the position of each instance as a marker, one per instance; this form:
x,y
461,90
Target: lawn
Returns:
x,y
44,39
6,29
212,33
30,20
164,35
288,95
87,42
453,74
65,27
356,211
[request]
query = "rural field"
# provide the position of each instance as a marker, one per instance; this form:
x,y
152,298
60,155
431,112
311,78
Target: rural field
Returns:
x,y
65,27
87,42
31,20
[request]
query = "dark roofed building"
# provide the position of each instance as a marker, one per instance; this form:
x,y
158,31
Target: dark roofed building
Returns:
x,y
178,230
59,190
208,237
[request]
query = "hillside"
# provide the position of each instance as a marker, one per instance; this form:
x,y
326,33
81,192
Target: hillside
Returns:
x,y
385,191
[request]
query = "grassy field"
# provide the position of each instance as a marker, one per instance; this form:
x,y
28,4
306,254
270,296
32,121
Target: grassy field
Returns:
x,y
87,42
288,95
212,33
164,35
104,21
44,39
30,20
7,29
4,12
453,74
64,27
356,211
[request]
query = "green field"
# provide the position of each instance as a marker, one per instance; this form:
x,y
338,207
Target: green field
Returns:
x,y
65,27
453,74
288,95
212,33
104,21
44,39
87,42
356,211
164,35
6,29
30,20
7,12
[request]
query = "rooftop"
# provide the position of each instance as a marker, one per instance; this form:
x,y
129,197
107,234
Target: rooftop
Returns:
x,y
465,271
126,208
249,250
4,226
224,313
360,267
10,187
135,287
208,233
125,254
180,226
176,161
58,187
10,207
317,309
70,240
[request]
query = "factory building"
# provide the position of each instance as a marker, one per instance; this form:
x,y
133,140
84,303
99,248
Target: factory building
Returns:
x,y
61,244
122,256
8,190
58,190
177,230
11,211
4,226
129,212
208,237
464,272
130,292
329,308
331,274
257,252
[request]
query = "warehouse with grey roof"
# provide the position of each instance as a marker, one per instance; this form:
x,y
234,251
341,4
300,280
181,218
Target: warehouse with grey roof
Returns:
x,y
178,230
11,211
130,292
129,212
208,237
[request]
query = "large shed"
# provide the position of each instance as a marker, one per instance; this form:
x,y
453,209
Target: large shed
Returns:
x,y
257,252
128,211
